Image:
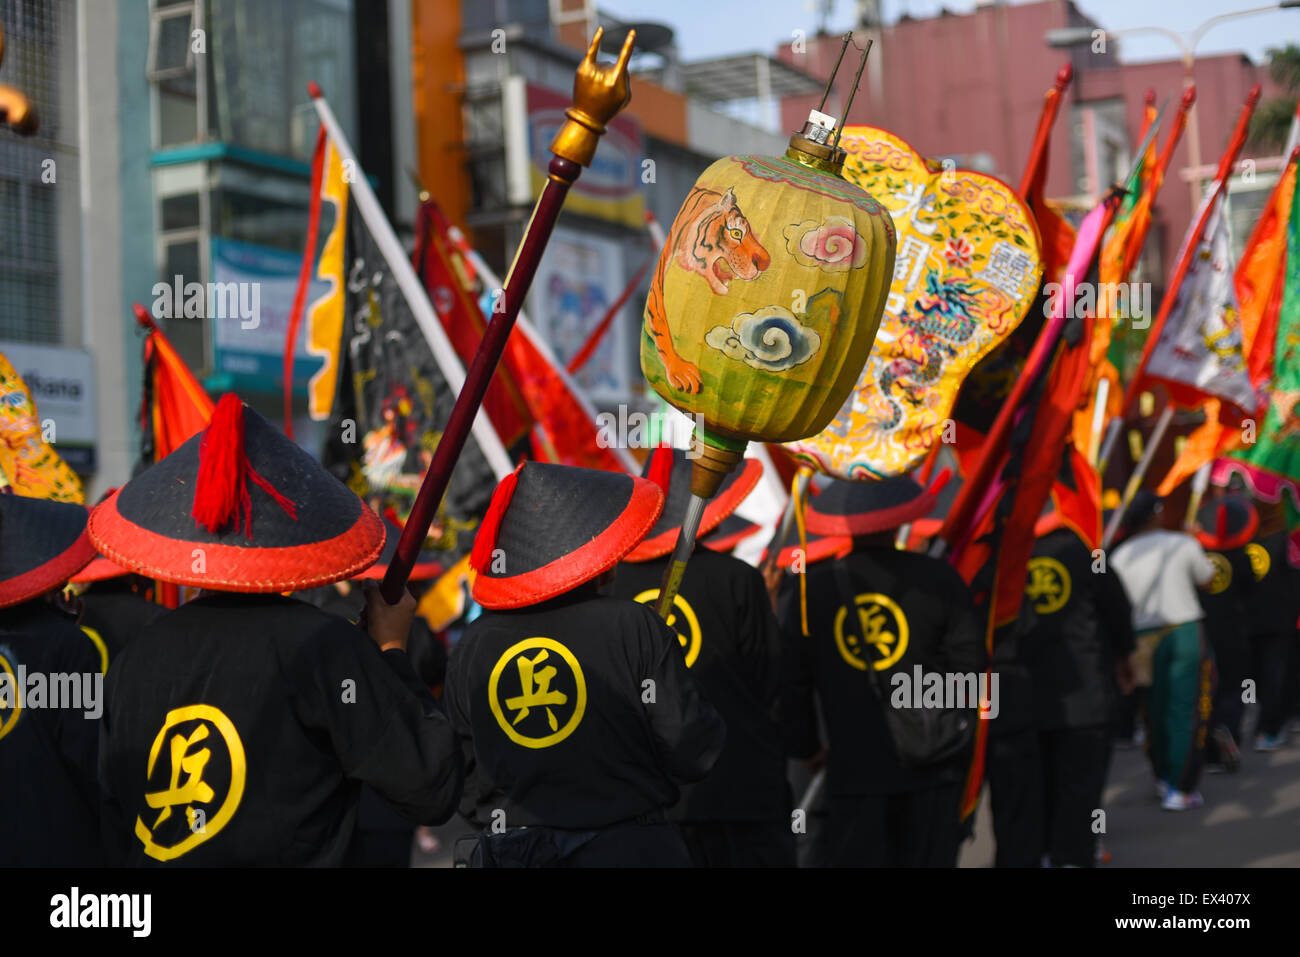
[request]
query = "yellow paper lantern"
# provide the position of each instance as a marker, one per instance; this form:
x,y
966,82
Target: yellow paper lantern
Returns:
x,y
766,299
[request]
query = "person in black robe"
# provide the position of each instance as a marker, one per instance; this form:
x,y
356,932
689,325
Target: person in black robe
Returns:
x,y
240,727
1274,608
738,816
51,688
115,610
383,836
874,617
1073,640
578,716
1224,528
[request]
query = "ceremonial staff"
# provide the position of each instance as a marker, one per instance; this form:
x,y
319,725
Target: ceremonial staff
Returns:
x,y
599,93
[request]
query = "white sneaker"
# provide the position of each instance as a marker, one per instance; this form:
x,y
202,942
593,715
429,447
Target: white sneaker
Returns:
x,y
1162,790
1181,801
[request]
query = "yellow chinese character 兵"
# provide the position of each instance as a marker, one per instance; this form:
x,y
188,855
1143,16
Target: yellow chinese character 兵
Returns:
x,y
539,697
873,622
194,788
1043,583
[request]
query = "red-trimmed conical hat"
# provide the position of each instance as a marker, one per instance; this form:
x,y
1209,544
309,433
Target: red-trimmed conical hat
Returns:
x,y
817,548
42,545
731,531
661,539
551,528
1226,523
238,507
864,508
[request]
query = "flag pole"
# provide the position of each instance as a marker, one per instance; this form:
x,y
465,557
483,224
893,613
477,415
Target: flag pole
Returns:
x,y
409,284
535,339
599,93
1135,482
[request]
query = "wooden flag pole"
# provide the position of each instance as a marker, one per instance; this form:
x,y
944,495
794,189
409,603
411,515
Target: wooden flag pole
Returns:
x,y
1135,482
599,92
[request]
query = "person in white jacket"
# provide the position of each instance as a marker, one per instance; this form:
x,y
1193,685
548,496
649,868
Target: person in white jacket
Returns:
x,y
1161,571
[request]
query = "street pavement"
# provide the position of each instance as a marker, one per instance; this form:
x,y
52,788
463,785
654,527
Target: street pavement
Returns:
x,y
1250,818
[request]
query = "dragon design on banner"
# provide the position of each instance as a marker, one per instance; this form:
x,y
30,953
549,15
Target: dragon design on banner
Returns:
x,y
966,273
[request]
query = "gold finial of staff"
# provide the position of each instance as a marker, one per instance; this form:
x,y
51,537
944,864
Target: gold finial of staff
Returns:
x,y
599,92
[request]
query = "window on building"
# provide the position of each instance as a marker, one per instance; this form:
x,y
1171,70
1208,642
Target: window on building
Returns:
x,y
31,291
263,57
173,71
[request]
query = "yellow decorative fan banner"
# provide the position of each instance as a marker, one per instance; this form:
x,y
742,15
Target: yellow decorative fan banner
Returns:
x,y
966,272
27,462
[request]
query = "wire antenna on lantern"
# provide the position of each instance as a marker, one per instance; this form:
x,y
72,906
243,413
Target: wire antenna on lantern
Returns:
x,y
830,82
857,79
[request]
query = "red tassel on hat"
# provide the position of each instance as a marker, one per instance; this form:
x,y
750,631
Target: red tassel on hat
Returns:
x,y
485,540
661,467
1221,522
221,487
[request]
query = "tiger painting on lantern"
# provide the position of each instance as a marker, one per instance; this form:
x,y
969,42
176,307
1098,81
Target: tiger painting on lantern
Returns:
x,y
712,238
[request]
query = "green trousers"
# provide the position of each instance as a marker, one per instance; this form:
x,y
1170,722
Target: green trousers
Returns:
x,y
1182,696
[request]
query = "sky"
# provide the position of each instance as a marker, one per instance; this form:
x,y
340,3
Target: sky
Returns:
x,y
708,28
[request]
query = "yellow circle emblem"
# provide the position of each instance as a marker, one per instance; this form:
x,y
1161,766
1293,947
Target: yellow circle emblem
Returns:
x,y
1048,585
543,693
1259,560
1222,573
681,620
201,775
883,629
11,696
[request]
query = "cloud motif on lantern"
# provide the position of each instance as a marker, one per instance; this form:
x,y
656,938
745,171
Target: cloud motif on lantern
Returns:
x,y
771,339
834,245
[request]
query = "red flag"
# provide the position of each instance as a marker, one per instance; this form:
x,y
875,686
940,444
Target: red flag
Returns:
x,y
437,261
565,427
174,406
1056,234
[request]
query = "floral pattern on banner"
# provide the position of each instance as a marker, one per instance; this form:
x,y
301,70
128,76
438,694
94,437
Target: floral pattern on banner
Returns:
x,y
27,461
966,273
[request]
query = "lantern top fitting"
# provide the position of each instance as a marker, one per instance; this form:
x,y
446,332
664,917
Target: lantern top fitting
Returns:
x,y
813,146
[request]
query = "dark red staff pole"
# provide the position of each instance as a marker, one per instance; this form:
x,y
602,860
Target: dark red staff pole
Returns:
x,y
599,92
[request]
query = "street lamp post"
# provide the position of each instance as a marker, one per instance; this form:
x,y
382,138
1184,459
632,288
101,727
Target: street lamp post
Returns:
x,y
1186,43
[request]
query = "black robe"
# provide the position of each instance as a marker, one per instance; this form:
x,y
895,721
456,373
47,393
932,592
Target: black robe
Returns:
x,y
1275,598
732,645
276,714
1074,628
49,799
117,614
548,749
943,636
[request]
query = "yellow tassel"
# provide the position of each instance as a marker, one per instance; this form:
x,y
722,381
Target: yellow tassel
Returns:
x,y
799,501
